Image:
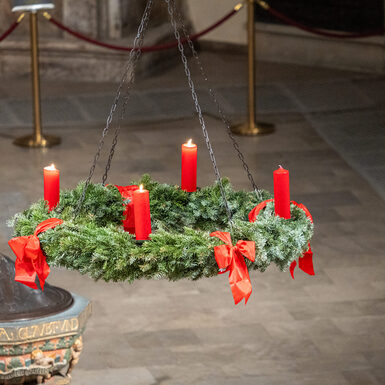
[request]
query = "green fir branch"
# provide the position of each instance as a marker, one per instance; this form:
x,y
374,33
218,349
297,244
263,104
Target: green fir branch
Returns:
x,y
94,242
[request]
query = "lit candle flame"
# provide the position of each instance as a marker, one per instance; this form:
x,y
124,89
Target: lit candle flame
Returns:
x,y
51,167
141,187
189,143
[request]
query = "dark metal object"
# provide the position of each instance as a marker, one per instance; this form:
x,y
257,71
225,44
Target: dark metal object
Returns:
x,y
19,302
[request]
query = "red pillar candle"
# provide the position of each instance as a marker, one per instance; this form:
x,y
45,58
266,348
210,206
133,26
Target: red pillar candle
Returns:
x,y
282,193
189,166
141,198
51,186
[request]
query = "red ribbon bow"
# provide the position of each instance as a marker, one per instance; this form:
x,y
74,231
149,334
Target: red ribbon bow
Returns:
x,y
305,262
230,258
30,260
127,193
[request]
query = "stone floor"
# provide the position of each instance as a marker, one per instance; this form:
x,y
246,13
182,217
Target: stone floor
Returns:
x,y
323,330
345,108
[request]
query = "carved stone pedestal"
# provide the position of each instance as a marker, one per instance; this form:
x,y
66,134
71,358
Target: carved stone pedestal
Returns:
x,y
40,332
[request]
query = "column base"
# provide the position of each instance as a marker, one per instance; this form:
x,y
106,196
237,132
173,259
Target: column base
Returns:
x,y
30,141
247,129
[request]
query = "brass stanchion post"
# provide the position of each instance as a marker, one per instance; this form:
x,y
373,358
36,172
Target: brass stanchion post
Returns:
x,y
37,139
252,127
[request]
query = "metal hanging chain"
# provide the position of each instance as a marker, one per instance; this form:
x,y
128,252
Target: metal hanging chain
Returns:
x,y
222,115
134,57
170,7
136,48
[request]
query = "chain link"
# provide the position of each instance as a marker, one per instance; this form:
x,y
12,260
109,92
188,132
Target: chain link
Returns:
x,y
130,65
170,7
134,58
222,115
129,77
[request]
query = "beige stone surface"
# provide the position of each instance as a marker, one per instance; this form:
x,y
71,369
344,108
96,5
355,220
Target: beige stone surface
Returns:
x,y
326,329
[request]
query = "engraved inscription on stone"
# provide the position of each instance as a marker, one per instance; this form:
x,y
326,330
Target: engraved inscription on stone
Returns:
x,y
47,329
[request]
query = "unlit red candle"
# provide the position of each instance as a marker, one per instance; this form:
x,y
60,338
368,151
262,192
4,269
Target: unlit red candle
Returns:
x,y
51,186
141,199
189,166
282,193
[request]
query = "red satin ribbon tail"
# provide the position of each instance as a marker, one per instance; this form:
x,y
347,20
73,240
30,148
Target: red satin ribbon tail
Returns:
x,y
43,271
247,249
253,214
241,289
231,258
30,284
25,274
49,223
223,236
223,256
305,263
129,217
292,268
18,245
129,229
24,270
30,259
42,283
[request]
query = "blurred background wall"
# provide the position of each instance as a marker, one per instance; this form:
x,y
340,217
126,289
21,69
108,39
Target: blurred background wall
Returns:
x,y
63,56
282,43
116,21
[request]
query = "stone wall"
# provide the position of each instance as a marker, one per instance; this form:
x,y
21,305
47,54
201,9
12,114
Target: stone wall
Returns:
x,y
63,56
282,43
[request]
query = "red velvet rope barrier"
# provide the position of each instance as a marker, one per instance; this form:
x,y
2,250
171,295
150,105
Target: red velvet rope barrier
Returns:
x,y
317,31
153,48
12,27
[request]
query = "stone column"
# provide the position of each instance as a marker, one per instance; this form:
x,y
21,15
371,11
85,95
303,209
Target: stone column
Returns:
x,y
114,19
82,16
6,16
130,14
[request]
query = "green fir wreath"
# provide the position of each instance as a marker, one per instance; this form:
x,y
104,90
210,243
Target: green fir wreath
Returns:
x,y
95,243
